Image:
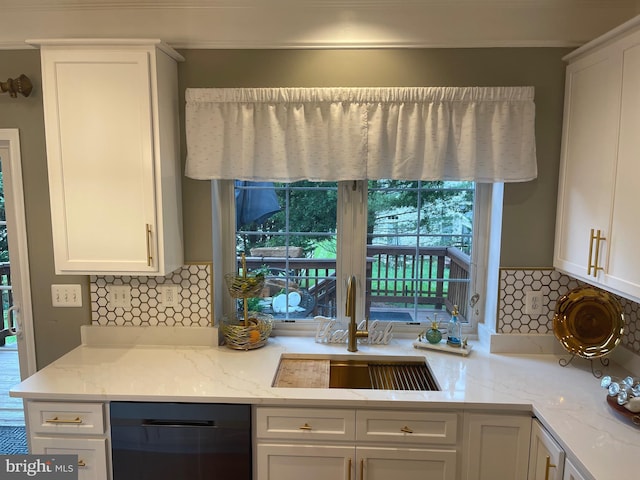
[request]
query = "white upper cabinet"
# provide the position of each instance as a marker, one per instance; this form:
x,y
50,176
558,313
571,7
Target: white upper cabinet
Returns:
x,y
112,136
596,223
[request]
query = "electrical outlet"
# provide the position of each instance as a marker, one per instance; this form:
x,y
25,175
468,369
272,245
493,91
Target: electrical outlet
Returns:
x,y
66,295
169,296
119,296
533,303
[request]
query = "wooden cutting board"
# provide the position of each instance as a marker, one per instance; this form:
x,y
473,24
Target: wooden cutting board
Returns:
x,y
301,373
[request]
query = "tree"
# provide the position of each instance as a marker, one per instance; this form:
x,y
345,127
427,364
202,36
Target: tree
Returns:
x,y
428,207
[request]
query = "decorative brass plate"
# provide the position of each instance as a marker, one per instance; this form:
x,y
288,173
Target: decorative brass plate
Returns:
x,y
588,322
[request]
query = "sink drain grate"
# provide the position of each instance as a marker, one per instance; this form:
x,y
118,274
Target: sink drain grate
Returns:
x,y
409,376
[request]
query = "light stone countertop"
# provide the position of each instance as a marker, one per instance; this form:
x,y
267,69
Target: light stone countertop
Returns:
x,y
568,400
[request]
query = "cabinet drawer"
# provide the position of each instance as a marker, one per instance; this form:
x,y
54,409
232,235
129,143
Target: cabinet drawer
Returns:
x,y
92,453
305,423
72,418
407,427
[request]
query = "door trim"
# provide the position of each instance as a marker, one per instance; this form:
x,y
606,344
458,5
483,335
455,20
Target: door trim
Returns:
x,y
19,255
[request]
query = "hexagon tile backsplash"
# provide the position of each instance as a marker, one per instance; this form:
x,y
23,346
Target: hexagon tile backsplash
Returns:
x,y
514,283
191,308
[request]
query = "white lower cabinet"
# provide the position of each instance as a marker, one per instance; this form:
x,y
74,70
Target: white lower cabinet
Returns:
x,y
571,472
496,446
376,463
546,461
308,462
92,453
57,428
308,443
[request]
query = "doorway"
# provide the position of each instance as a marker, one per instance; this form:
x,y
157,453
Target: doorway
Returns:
x,y
17,353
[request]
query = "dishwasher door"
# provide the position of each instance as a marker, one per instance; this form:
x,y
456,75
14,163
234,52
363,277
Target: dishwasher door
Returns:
x,y
158,441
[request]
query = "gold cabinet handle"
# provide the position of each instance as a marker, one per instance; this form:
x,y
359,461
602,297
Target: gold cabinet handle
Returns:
x,y
81,463
589,264
149,256
595,236
362,469
76,420
406,429
306,426
597,255
349,469
548,467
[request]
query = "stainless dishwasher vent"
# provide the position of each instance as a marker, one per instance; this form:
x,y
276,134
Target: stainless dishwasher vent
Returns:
x,y
401,376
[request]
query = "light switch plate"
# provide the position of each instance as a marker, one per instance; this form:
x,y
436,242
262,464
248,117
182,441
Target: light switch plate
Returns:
x,y
119,296
66,295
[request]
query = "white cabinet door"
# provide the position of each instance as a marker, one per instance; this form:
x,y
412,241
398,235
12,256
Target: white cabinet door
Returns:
x,y
114,184
375,463
92,453
622,272
496,446
308,462
587,167
571,472
546,460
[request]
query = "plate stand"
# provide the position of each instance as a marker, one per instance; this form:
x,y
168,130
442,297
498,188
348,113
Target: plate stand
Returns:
x,y
596,372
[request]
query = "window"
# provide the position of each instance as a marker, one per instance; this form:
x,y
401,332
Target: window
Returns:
x,y
410,245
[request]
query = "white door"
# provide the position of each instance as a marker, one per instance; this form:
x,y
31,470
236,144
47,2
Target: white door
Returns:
x,y
377,463
307,462
546,460
18,317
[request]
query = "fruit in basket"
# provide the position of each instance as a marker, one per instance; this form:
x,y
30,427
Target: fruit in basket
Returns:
x,y
244,286
254,336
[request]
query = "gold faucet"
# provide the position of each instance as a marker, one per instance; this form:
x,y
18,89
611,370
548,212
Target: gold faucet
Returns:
x,y
354,333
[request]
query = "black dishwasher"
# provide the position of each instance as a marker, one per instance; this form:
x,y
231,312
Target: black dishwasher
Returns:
x,y
191,441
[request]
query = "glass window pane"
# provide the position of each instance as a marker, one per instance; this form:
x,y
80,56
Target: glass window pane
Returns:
x,y
289,231
419,247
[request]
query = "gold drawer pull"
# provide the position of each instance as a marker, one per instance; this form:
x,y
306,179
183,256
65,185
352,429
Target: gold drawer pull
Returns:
x,y
76,420
406,429
81,463
349,469
306,426
362,469
548,466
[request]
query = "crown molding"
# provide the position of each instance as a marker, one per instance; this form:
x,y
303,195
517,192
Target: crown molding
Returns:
x,y
251,24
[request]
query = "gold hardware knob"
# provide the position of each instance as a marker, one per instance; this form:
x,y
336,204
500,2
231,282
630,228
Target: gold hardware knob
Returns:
x,y
306,426
81,463
349,469
547,467
76,420
406,429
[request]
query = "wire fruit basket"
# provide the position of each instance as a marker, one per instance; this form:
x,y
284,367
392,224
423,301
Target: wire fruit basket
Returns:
x,y
250,335
253,330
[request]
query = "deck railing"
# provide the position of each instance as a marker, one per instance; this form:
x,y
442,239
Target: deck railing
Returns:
x,y
397,275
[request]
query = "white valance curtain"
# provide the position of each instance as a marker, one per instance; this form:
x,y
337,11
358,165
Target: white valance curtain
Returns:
x,y
484,134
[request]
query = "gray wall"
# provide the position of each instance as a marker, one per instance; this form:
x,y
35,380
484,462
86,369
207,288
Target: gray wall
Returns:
x,y
529,213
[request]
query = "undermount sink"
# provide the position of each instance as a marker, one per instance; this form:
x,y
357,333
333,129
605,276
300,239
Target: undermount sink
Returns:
x,y
375,372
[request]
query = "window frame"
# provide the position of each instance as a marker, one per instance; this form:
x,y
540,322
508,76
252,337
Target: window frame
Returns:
x,y
352,255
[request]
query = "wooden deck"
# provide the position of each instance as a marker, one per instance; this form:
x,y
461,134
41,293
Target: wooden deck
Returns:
x,y
11,412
